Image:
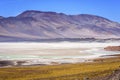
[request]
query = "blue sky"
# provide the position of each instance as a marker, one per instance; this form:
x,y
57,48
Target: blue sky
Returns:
x,y
106,8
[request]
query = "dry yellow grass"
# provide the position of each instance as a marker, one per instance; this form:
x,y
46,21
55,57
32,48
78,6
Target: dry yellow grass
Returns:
x,y
61,72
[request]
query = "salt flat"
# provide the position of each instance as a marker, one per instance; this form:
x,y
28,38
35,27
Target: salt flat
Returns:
x,y
47,53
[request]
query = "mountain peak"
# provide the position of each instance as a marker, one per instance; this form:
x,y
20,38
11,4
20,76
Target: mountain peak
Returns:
x,y
1,17
31,13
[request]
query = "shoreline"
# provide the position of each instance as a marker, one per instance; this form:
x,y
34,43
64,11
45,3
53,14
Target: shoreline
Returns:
x,y
101,68
26,63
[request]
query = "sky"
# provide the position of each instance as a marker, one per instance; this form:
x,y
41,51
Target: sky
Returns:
x,y
106,8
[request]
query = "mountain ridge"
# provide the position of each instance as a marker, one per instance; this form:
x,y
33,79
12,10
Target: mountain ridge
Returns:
x,y
34,24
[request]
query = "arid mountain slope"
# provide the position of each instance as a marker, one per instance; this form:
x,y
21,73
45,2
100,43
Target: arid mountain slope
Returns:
x,y
31,25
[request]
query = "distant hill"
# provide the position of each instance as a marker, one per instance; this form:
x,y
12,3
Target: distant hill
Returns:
x,y
37,25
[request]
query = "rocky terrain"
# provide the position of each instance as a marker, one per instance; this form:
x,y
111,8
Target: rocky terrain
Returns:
x,y
112,48
37,25
114,76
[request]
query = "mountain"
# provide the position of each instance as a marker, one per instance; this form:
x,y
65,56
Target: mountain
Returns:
x,y
36,25
1,17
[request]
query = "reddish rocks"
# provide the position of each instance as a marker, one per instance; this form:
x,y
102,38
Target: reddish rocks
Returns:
x,y
112,48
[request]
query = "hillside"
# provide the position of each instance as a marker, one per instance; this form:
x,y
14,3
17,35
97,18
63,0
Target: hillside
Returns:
x,y
36,25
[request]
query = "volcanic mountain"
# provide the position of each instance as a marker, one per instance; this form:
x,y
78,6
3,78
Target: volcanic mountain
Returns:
x,y
37,25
